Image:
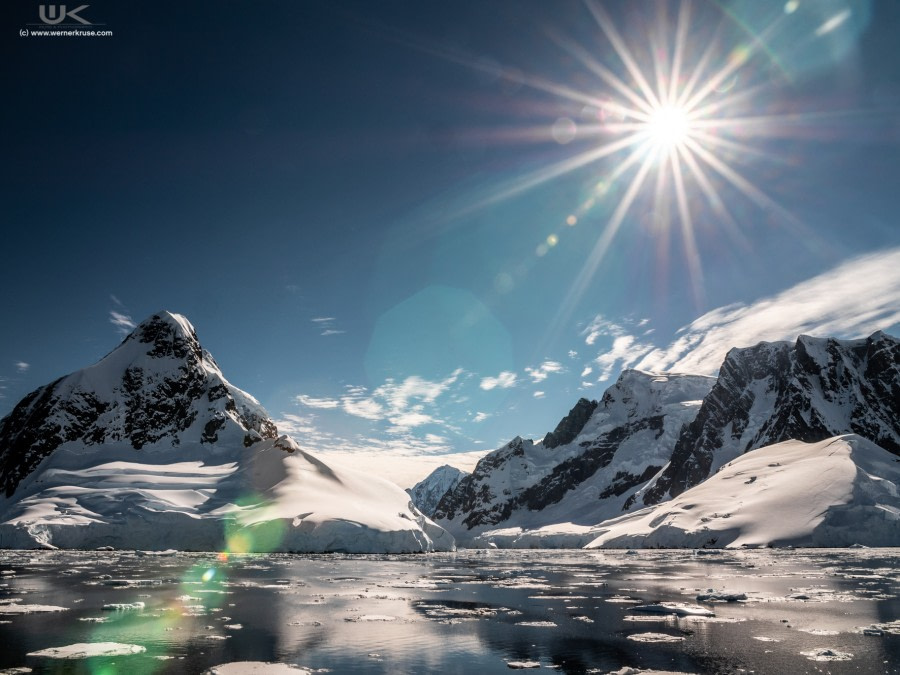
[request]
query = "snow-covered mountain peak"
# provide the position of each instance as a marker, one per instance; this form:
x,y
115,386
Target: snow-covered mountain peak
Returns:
x,y
428,492
151,447
638,393
158,390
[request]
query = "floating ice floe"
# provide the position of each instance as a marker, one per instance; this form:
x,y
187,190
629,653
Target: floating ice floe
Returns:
x,y
890,627
537,624
123,606
14,607
83,650
679,608
720,596
655,637
827,655
520,665
370,617
254,667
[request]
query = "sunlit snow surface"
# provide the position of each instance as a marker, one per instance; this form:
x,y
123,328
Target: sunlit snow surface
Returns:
x,y
765,611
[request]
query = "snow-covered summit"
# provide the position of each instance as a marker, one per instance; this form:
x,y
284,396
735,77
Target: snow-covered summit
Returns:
x,y
428,492
158,390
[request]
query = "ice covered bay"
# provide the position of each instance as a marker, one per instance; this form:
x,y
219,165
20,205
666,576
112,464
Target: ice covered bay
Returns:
x,y
472,611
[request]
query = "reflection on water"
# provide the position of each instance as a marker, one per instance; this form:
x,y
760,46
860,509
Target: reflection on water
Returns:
x,y
473,611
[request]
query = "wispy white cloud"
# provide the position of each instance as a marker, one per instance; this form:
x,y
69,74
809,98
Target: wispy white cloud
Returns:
x,y
411,418
504,380
367,408
625,351
480,417
123,322
540,373
402,404
326,323
538,394
398,394
312,402
22,367
573,354
587,371
854,299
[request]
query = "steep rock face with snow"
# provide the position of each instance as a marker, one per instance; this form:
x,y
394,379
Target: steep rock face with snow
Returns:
x,y
152,448
625,440
428,492
807,391
840,491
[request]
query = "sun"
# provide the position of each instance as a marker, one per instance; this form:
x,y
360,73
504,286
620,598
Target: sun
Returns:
x,y
668,128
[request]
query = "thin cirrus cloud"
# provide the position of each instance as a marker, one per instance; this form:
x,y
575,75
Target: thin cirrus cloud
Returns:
x,y
312,402
22,367
123,322
854,299
326,324
504,380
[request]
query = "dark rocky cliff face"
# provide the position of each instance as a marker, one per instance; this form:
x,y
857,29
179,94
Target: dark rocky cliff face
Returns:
x,y
809,391
571,425
154,388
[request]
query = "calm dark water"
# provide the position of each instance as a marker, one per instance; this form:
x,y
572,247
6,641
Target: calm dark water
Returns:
x,y
470,612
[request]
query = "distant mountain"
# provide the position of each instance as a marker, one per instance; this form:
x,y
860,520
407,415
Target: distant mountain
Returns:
x,y
152,447
809,390
588,468
428,492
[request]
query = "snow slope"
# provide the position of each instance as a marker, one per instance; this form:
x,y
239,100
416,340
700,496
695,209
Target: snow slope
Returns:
x,y
151,448
838,492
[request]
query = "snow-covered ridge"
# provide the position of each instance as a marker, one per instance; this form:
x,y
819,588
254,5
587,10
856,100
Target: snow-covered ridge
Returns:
x,y
153,448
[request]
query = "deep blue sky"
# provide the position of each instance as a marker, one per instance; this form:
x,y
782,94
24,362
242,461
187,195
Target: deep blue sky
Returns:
x,y
258,166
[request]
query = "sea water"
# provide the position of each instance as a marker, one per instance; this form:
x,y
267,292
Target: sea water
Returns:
x,y
768,611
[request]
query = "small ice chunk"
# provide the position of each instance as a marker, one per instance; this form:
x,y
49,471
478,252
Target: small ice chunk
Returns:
x,y
520,665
